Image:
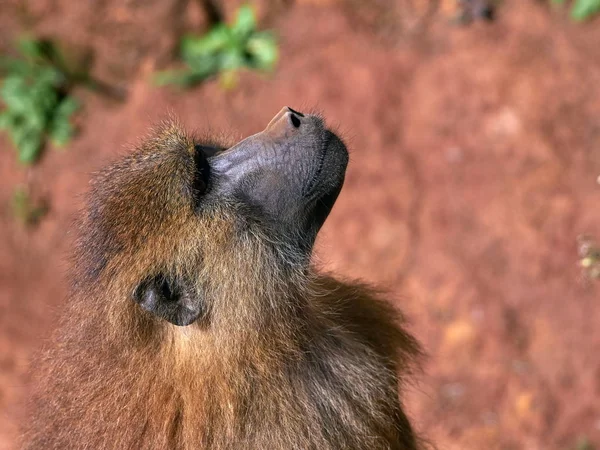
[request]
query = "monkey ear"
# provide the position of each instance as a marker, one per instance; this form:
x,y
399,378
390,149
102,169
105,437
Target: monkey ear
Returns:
x,y
168,299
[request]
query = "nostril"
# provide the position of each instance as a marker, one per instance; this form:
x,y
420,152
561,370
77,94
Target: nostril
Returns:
x,y
295,120
293,111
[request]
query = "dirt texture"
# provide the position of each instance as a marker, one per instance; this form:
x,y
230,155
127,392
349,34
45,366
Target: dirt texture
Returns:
x,y
475,153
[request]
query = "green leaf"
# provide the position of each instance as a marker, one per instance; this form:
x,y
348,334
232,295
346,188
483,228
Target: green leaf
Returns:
x,y
43,98
6,120
30,48
245,22
60,128
14,66
206,66
583,9
231,60
29,146
61,133
50,76
66,107
263,48
194,47
15,94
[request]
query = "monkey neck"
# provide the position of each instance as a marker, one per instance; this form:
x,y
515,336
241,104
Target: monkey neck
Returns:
x,y
262,296
273,304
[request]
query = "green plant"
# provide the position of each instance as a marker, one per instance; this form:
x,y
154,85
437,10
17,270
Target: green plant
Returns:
x,y
582,9
25,209
224,50
37,104
589,256
583,443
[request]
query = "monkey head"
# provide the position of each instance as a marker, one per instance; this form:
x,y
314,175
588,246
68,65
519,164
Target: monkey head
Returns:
x,y
291,173
176,215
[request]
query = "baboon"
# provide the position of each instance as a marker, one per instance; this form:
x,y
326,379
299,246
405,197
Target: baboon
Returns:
x,y
196,319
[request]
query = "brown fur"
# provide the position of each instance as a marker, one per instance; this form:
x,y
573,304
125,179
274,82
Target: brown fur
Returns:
x,y
285,358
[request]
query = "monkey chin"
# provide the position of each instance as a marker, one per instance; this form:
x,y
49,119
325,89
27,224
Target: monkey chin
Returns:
x,y
195,319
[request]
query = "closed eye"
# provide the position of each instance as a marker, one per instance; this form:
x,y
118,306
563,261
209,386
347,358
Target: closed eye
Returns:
x,y
202,171
208,150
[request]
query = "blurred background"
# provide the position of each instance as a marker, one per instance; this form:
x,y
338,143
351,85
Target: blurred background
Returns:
x,y
472,192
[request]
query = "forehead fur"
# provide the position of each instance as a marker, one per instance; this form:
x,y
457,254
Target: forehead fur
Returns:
x,y
145,198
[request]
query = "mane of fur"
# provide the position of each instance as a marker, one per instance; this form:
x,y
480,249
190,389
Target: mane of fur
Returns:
x,y
285,358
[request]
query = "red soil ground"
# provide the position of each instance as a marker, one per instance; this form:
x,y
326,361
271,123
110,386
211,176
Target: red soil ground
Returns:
x,y
475,153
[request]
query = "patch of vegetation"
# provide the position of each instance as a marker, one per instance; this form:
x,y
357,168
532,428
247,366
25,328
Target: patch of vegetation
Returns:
x,y
583,443
27,210
589,256
37,104
223,51
581,9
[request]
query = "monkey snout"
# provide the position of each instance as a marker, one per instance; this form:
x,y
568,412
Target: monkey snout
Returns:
x,y
284,123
